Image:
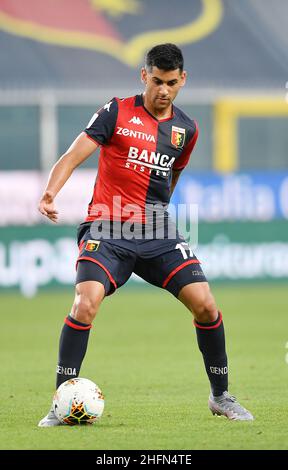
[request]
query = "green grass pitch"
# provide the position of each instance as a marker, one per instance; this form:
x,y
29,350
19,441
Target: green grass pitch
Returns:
x,y
144,356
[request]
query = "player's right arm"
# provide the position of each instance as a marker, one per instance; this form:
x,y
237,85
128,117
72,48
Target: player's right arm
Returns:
x,y
78,152
98,132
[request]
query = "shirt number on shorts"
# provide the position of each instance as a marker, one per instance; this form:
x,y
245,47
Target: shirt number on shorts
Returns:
x,y
180,246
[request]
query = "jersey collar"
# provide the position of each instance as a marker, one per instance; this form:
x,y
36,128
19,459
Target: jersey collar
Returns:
x,y
140,102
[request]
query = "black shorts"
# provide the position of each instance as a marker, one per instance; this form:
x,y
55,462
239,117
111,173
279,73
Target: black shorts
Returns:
x,y
165,263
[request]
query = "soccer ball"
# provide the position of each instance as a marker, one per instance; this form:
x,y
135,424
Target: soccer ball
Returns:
x,y
78,401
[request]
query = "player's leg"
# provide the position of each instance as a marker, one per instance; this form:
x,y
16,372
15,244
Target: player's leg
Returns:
x,y
75,332
208,321
101,269
198,298
181,274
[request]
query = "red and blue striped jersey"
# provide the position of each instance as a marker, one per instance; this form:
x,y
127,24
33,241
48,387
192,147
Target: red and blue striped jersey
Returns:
x,y
137,156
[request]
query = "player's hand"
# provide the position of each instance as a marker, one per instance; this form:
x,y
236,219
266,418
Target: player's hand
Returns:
x,y
46,206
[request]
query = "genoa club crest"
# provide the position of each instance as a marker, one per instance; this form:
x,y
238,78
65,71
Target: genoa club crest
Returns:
x,y
92,245
178,137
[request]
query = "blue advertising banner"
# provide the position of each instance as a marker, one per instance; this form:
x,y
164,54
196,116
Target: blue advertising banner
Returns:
x,y
251,196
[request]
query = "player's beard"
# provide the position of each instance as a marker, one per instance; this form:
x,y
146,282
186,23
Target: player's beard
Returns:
x,y
162,103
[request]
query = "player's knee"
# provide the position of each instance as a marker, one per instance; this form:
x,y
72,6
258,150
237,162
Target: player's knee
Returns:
x,y
204,308
85,309
200,301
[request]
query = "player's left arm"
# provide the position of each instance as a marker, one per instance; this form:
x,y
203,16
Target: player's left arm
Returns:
x,y
174,181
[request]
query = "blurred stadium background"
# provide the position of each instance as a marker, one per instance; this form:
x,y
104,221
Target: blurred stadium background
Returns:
x,y
60,61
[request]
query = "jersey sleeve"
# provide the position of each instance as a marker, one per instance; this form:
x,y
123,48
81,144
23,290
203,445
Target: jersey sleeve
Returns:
x,y
102,124
182,161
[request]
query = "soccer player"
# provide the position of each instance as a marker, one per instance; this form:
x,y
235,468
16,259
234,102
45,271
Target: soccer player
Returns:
x,y
145,142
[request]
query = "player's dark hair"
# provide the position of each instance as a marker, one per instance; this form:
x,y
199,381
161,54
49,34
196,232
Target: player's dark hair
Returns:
x,y
165,57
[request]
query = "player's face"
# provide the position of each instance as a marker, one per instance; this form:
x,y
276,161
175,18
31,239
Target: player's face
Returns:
x,y
162,87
